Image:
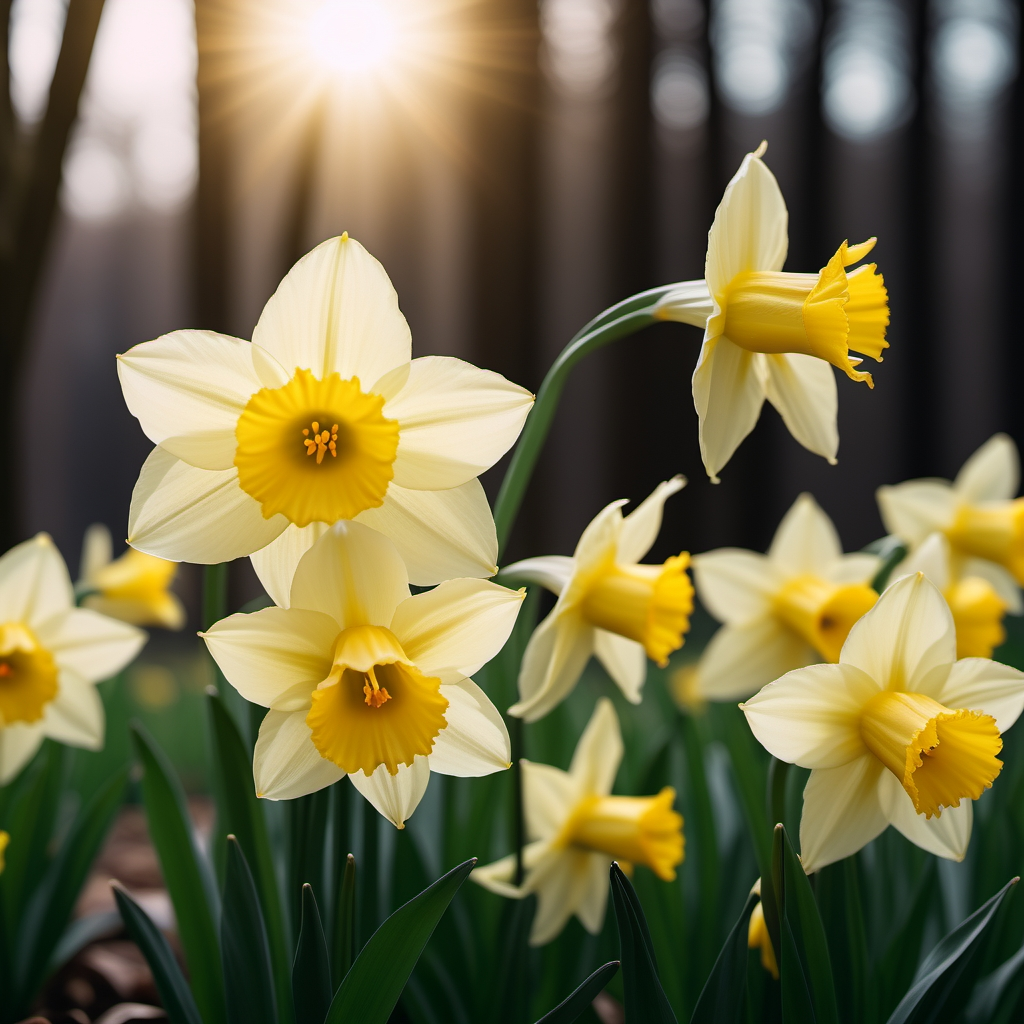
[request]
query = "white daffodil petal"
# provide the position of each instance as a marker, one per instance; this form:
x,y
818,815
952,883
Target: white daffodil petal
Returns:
x,y
811,716
907,634
460,624
187,390
859,567
841,813
805,541
914,509
597,757
593,892
736,586
476,741
97,551
992,473
555,658
275,657
285,763
352,573
740,659
640,528
275,564
75,716
931,558
186,514
600,538
978,684
455,421
803,389
1001,579
560,883
18,744
89,644
440,535
688,302
624,660
336,311
395,796
946,835
34,582
551,571
549,795
497,877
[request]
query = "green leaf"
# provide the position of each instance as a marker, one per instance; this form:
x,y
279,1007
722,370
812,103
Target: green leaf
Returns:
x,y
311,971
997,997
372,987
645,999
944,964
248,981
722,1000
837,889
175,995
570,1008
892,551
185,874
343,948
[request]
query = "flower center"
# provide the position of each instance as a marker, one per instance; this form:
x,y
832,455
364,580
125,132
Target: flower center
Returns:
x,y
994,532
978,616
823,613
824,315
636,829
28,675
650,604
284,443
375,707
940,756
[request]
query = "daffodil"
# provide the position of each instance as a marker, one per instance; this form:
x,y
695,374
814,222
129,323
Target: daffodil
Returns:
x,y
51,655
770,334
607,605
323,417
898,733
576,830
364,680
789,608
758,937
977,513
4,840
134,588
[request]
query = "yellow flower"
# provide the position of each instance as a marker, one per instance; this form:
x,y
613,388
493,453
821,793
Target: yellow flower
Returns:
x,y
898,733
51,655
758,937
769,334
134,588
323,417
4,840
607,605
792,607
363,680
576,830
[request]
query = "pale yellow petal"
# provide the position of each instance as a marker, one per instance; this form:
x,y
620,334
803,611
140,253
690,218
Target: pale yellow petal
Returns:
x,y
395,796
97,551
475,741
497,876
285,763
624,660
992,473
600,539
914,509
89,644
549,796
1001,579
18,744
688,302
803,389
979,684
594,887
946,835
597,757
556,655
640,528
75,716
275,564
931,558
34,582
561,884
551,571
736,586
805,541
858,567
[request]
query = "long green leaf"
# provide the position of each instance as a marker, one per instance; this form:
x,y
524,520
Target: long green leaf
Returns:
x,y
722,1000
311,971
998,996
570,1008
175,995
183,869
372,987
343,948
248,981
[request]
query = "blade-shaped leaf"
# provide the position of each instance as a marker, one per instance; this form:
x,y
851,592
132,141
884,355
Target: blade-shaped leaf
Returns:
x,y
373,985
311,970
722,999
175,995
248,982
343,947
645,999
998,996
570,1008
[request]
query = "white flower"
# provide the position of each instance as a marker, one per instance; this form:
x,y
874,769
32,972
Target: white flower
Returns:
x,y
576,830
322,417
51,656
363,680
898,733
607,605
789,608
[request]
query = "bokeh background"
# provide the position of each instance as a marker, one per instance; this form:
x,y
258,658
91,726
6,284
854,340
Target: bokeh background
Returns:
x,y
518,165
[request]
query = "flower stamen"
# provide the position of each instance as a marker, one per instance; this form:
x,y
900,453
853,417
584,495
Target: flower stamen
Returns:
x,y
322,441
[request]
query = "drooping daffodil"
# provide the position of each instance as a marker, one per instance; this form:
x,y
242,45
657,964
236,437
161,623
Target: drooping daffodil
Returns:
x,y
323,416
773,334
134,588
51,656
364,680
576,829
977,513
792,607
898,733
608,605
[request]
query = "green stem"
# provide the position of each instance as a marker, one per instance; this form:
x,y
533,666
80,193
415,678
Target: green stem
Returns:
x,y
215,607
777,774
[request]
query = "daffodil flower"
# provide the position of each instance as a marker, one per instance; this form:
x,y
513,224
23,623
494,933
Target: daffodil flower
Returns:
x,y
607,605
4,840
364,680
758,937
576,830
789,608
51,655
977,513
769,334
322,417
898,733
134,588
